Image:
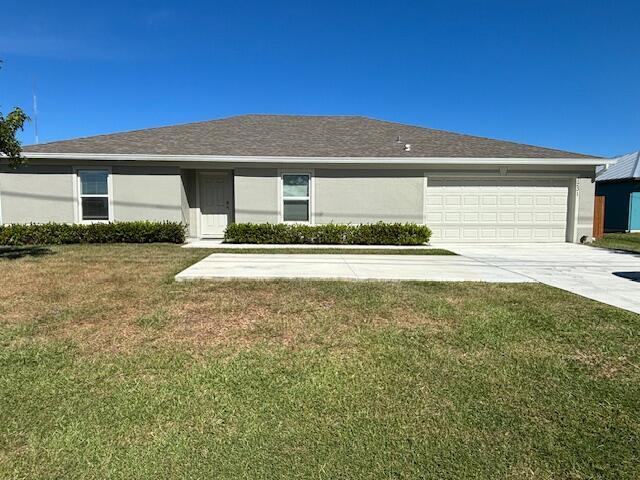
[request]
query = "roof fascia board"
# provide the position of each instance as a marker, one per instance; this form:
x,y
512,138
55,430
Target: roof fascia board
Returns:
x,y
321,160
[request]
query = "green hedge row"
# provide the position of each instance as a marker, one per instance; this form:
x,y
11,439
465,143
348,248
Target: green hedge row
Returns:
x,y
117,232
329,234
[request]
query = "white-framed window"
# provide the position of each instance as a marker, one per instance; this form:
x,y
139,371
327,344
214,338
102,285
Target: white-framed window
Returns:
x,y
295,205
94,195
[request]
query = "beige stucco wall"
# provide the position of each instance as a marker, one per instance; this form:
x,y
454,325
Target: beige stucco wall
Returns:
x,y
45,193
586,193
37,193
338,196
188,193
147,193
368,196
184,200
256,195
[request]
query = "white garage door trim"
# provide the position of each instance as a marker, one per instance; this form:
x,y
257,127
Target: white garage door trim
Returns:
x,y
464,209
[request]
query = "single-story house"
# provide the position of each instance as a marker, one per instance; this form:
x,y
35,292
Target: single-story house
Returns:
x,y
310,169
620,185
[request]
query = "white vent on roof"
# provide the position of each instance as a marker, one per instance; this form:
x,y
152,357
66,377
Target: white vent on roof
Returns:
x,y
407,147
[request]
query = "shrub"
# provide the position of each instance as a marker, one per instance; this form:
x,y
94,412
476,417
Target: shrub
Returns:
x,y
336,234
117,232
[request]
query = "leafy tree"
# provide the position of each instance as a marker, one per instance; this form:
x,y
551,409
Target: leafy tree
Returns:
x,y
10,124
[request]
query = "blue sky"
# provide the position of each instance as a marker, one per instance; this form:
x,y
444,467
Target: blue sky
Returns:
x,y
547,72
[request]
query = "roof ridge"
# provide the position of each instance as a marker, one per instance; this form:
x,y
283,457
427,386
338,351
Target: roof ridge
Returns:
x,y
305,115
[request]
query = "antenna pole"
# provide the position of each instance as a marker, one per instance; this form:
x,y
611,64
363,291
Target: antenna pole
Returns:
x,y
35,112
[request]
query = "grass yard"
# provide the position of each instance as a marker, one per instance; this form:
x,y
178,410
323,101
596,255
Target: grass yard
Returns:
x,y
629,242
109,369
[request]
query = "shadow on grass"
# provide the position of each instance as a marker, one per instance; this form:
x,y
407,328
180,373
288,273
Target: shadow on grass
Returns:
x,y
13,253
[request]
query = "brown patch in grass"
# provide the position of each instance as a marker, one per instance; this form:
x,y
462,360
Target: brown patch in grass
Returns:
x,y
603,366
117,298
289,313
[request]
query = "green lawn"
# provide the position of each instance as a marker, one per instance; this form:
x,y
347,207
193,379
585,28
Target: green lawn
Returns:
x,y
109,369
339,251
629,242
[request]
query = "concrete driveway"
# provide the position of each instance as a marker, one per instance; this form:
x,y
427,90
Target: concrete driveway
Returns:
x,y
449,268
604,275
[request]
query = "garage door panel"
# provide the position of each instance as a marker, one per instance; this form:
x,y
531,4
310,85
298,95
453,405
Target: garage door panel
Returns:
x,y
488,233
434,200
493,210
452,233
470,233
542,217
507,200
559,217
434,218
506,233
524,233
487,217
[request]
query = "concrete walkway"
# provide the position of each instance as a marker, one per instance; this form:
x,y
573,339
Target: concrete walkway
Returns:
x,y
347,267
607,276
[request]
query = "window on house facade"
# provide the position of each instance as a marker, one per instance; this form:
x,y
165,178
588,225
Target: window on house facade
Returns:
x,y
296,197
94,195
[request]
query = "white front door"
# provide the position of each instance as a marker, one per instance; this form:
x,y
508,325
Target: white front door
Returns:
x,y
215,203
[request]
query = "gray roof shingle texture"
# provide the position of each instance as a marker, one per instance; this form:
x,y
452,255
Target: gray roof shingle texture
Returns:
x,y
299,136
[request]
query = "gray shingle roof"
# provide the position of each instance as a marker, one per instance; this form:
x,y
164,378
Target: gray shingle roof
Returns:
x,y
626,167
299,136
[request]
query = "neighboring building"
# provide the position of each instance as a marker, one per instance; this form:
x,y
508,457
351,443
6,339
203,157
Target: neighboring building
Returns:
x,y
620,185
311,169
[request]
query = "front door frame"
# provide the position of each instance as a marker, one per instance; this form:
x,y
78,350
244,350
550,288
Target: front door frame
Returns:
x,y
230,216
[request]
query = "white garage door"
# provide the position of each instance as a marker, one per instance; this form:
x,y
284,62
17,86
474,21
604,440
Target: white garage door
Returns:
x,y
497,210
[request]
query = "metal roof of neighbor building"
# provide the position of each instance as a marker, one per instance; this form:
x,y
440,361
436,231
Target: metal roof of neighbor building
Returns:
x,y
300,136
626,167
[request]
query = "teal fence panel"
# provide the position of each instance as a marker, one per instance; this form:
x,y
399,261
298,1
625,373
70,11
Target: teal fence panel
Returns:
x,y
634,211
